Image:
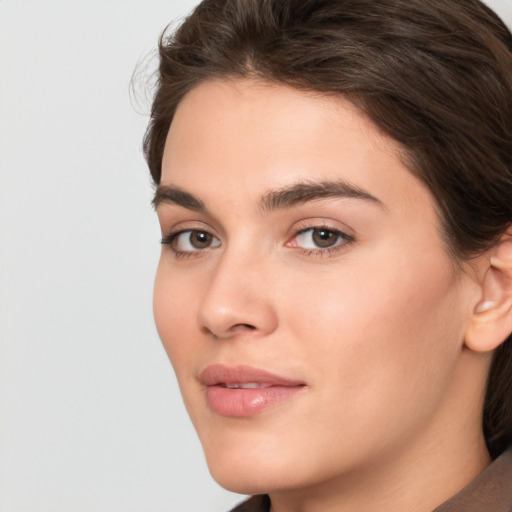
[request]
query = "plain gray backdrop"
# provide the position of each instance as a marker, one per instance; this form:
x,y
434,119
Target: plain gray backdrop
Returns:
x,y
91,417
90,414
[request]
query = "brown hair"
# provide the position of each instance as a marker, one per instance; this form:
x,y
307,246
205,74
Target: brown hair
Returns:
x,y
434,75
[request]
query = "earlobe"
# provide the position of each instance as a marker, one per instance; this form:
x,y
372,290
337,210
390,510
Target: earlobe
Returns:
x,y
491,321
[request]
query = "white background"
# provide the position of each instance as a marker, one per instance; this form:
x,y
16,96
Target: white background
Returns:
x,y
91,418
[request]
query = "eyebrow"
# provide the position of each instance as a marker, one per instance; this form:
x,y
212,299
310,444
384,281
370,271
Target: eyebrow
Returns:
x,y
300,193
279,199
174,195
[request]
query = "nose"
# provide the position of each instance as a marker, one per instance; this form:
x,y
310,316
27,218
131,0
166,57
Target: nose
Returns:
x,y
238,299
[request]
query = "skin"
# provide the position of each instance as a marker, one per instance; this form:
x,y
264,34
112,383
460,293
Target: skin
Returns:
x,y
374,326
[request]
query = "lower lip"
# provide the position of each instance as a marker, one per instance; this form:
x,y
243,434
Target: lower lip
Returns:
x,y
247,402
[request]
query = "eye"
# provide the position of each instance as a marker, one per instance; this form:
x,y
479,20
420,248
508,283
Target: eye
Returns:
x,y
320,238
191,240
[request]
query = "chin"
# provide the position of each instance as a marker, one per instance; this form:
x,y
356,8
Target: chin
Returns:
x,y
241,484
256,480
245,472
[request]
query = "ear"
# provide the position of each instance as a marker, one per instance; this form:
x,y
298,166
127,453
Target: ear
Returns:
x,y
491,321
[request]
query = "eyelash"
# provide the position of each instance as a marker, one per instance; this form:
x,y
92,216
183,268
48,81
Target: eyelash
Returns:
x,y
342,240
171,238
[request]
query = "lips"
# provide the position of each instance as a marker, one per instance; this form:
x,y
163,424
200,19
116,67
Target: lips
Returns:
x,y
244,390
245,385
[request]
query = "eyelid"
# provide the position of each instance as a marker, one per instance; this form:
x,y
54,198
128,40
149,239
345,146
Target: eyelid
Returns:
x,y
171,235
345,233
321,223
169,229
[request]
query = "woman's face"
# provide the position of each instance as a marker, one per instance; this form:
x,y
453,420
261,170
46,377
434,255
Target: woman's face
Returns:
x,y
304,294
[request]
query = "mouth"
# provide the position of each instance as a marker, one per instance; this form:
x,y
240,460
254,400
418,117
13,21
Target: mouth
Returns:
x,y
244,385
244,390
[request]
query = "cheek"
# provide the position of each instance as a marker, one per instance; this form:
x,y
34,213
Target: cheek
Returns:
x,y
382,330
172,316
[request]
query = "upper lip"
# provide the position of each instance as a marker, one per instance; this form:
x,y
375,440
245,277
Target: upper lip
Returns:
x,y
216,374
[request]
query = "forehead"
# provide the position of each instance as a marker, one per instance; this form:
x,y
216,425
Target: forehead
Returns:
x,y
273,133
251,103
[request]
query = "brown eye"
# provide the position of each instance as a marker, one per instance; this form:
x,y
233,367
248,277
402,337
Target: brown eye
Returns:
x,y
320,238
192,240
200,239
324,238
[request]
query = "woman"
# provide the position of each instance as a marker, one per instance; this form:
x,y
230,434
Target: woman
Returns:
x,y
334,183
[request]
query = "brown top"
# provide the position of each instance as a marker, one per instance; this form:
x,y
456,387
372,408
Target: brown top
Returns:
x,y
491,491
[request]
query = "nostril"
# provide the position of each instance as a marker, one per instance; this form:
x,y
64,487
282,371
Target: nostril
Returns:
x,y
232,330
243,326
